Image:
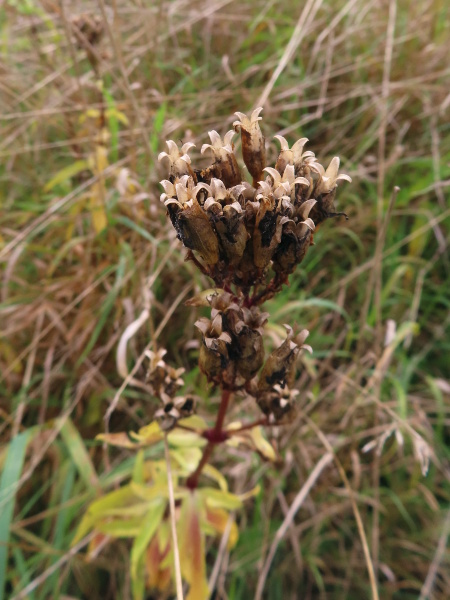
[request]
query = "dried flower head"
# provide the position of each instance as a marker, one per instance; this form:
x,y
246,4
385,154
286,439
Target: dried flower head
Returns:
x,y
178,159
240,230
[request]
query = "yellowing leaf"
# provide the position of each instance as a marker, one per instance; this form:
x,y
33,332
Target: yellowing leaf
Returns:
x,y
90,113
66,173
120,116
148,435
159,560
194,422
261,444
220,499
217,519
254,492
192,548
97,208
122,497
125,512
121,528
138,469
117,439
187,458
252,438
148,527
185,439
213,473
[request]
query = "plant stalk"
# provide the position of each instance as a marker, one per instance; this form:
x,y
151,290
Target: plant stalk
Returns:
x,y
216,436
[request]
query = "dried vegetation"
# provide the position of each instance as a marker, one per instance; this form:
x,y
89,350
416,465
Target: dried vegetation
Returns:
x,y
93,283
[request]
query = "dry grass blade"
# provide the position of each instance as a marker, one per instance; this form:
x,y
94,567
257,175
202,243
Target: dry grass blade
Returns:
x,y
306,17
25,593
429,582
295,507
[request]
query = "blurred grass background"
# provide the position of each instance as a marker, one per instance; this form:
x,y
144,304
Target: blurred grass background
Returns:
x,y
89,93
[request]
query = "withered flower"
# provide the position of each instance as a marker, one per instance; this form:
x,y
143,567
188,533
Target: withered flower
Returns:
x,y
88,27
214,360
253,143
230,227
225,167
164,380
274,394
330,178
325,192
174,410
295,240
289,156
179,160
189,219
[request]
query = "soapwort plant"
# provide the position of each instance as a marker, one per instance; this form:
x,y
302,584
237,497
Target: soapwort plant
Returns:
x,y
247,238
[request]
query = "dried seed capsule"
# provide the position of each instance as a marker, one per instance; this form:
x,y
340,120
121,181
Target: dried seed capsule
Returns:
x,y
280,365
232,233
295,240
179,160
253,143
226,167
289,156
251,352
196,233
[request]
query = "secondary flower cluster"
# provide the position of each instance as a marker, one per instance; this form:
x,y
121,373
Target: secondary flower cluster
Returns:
x,y
232,353
165,382
239,229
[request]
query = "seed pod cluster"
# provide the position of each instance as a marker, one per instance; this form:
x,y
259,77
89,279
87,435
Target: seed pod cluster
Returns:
x,y
165,382
274,393
239,230
232,349
248,238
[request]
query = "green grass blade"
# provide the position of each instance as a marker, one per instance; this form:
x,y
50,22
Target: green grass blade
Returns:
x,y
10,476
78,453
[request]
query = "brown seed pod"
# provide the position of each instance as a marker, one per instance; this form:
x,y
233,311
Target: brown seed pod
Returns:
x,y
225,167
253,143
195,231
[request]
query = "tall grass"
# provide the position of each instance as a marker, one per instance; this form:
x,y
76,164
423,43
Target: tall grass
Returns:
x,y
84,248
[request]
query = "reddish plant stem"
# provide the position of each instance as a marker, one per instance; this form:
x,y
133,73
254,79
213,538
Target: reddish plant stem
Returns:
x,y
226,395
215,438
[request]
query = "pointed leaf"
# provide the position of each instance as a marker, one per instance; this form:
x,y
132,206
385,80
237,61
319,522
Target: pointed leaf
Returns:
x,y
192,548
220,499
149,525
124,496
66,173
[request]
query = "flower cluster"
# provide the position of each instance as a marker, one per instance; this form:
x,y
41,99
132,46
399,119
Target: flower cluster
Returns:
x,y
165,382
238,229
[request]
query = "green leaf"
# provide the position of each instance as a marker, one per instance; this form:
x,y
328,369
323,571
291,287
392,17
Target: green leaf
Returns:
x,y
299,305
66,173
12,470
121,528
79,454
124,496
130,224
138,469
